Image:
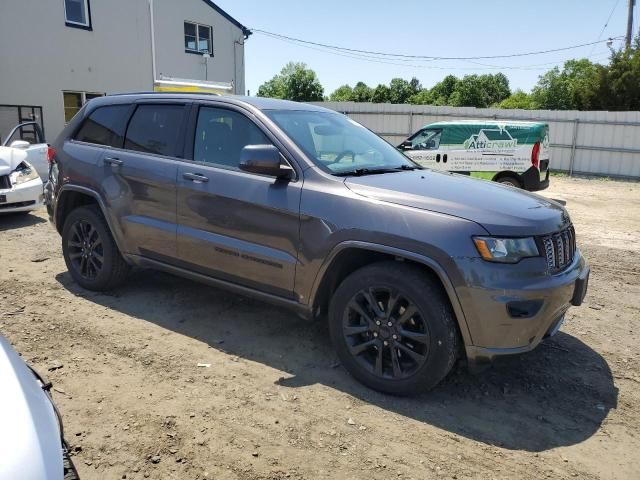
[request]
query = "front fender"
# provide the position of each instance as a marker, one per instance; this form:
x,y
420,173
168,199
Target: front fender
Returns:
x,y
428,262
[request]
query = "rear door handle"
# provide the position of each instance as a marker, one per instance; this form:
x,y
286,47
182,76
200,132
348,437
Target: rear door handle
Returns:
x,y
116,162
195,177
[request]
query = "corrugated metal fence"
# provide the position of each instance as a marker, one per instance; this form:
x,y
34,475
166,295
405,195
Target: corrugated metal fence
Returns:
x,y
602,143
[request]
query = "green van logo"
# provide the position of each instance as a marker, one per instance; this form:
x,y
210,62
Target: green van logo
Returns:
x,y
491,139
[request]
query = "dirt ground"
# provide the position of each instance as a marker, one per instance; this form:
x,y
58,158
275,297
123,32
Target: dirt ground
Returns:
x,y
272,402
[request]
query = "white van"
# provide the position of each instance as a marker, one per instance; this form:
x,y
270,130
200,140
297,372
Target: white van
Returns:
x,y
515,153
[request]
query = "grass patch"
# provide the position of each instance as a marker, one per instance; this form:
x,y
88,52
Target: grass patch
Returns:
x,y
483,175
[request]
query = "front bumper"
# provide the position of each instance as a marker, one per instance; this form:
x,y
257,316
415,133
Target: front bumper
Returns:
x,y
509,309
22,198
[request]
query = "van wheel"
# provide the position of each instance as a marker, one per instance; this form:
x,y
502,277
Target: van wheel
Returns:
x,y
514,182
91,254
393,328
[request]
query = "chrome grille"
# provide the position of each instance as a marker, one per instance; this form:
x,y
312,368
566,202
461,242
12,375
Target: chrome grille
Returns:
x,y
559,249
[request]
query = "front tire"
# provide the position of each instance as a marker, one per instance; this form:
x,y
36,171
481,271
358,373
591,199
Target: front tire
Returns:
x,y
393,328
91,254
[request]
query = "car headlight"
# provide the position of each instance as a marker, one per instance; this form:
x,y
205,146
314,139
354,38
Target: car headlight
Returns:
x,y
23,173
506,250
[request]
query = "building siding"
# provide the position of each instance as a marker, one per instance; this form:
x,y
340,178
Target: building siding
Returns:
x,y
41,56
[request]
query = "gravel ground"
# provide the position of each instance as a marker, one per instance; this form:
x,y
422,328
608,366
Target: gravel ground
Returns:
x,y
271,401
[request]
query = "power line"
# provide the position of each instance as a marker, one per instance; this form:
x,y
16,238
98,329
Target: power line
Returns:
x,y
396,56
606,24
394,61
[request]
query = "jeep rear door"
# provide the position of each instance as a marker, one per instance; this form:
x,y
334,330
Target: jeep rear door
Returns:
x,y
139,179
233,225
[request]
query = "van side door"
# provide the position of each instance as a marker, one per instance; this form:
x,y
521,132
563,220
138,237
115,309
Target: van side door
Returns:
x,y
234,225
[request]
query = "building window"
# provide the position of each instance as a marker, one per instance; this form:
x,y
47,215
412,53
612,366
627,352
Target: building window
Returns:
x,y
73,102
198,38
77,13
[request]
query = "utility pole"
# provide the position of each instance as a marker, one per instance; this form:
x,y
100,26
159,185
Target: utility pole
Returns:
x,y
630,23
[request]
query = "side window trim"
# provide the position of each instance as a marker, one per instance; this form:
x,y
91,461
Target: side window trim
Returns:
x,y
179,146
191,136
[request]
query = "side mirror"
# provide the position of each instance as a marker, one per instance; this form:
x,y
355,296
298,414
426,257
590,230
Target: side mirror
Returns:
x,y
21,144
406,145
264,160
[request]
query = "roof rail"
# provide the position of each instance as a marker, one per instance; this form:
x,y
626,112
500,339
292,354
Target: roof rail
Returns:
x,y
149,92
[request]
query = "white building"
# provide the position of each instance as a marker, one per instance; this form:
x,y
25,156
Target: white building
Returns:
x,y
57,54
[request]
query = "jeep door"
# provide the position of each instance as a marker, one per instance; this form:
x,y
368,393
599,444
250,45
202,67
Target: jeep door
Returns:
x,y
234,225
139,179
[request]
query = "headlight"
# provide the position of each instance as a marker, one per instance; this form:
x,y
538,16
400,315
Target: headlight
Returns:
x,y
24,173
506,250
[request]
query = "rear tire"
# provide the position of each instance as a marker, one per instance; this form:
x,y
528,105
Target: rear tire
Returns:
x,y
91,254
393,328
512,181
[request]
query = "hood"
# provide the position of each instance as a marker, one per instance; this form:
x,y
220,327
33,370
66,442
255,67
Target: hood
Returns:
x,y
10,158
501,210
30,436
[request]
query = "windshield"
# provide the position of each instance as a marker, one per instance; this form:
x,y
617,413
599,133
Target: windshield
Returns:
x,y
339,145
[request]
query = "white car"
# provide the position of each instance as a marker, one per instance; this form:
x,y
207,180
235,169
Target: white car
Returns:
x,y
31,437
23,169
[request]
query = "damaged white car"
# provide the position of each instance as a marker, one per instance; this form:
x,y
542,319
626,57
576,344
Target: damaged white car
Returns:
x,y
23,166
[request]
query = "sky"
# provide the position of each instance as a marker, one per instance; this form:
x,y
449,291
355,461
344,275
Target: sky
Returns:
x,y
460,28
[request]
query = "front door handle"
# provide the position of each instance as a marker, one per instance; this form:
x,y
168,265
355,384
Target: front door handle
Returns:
x,y
195,177
113,161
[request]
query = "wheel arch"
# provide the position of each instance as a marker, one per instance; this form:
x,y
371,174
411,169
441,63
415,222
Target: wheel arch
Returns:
x,y
349,256
71,197
508,174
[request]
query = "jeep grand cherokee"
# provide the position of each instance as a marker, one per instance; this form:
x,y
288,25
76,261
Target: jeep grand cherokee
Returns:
x,y
301,206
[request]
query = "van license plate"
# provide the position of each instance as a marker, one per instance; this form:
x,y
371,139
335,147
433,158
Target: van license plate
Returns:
x,y
3,199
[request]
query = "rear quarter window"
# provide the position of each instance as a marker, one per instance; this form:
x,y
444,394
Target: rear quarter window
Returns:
x,y
105,126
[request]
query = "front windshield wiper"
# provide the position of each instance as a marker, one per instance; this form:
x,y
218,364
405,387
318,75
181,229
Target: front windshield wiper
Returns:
x,y
358,172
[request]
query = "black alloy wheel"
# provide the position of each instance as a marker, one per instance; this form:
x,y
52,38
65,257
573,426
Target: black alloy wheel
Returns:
x,y
85,249
386,333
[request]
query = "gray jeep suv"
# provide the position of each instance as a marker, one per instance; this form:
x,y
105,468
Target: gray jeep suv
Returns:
x,y
302,206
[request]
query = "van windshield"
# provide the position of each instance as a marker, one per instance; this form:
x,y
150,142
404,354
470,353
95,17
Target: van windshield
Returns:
x,y
339,145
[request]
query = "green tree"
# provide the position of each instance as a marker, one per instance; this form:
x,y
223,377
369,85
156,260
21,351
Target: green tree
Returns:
x,y
423,97
575,87
518,99
381,94
294,82
495,87
480,91
401,90
342,94
619,86
362,93
442,91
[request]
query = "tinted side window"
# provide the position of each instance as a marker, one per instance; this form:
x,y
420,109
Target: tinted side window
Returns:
x,y
221,135
154,129
105,126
